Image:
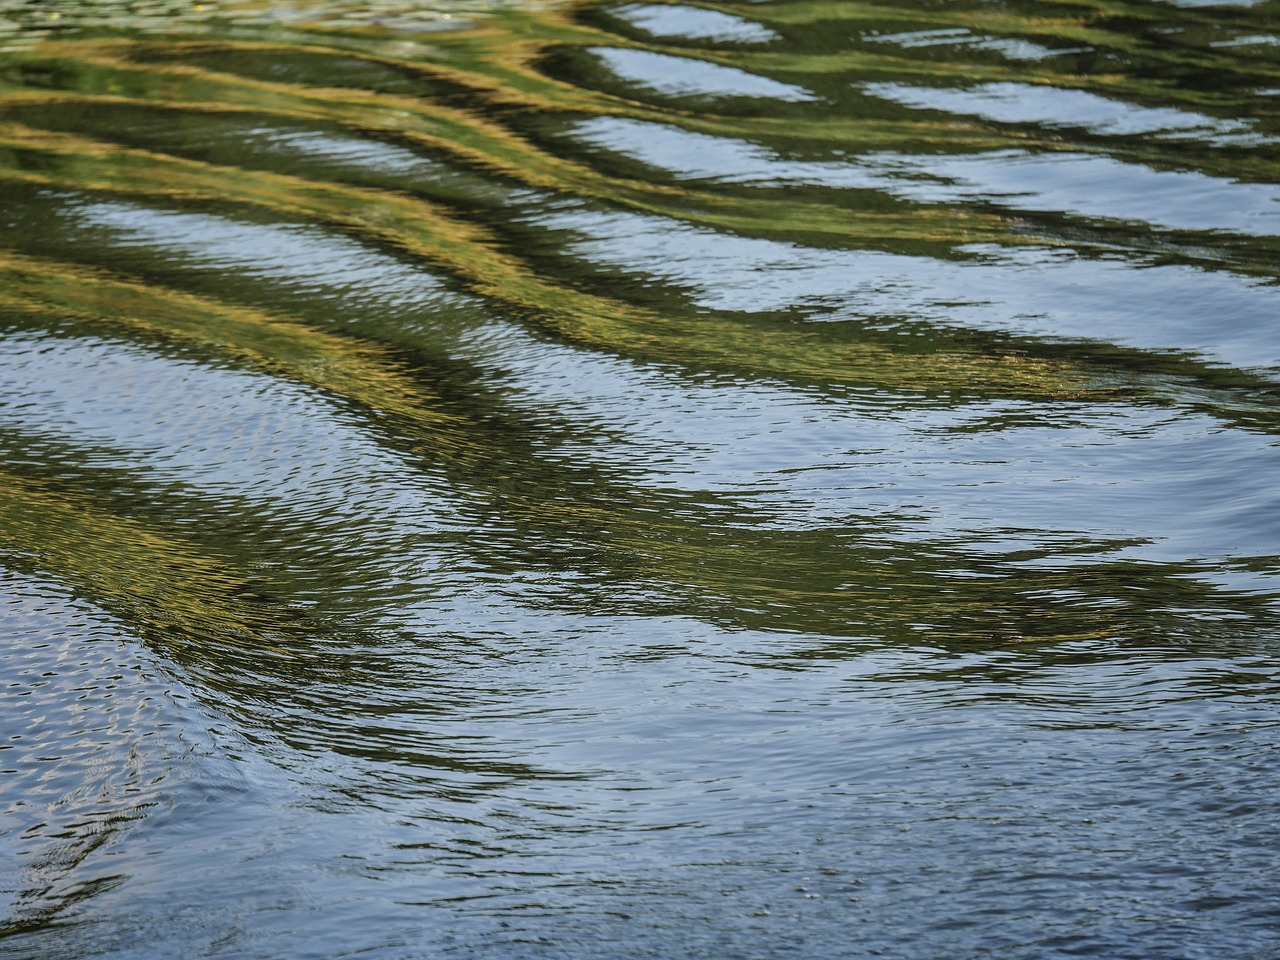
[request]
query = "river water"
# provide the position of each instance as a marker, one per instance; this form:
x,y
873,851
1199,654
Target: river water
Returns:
x,y
739,480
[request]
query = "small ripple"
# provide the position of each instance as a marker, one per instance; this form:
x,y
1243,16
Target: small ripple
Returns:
x,y
303,255
694,23
1100,187
1013,48
702,156
685,77
1053,107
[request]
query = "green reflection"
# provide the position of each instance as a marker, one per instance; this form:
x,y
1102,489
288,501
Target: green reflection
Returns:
x,y
471,124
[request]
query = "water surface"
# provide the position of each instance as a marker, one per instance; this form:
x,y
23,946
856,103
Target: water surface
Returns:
x,y
562,480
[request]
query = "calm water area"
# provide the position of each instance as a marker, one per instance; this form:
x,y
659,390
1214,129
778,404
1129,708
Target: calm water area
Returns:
x,y
564,480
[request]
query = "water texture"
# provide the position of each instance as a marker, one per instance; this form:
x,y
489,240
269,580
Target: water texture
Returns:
x,y
787,479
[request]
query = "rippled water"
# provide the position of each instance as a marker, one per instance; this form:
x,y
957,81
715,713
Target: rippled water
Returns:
x,y
745,480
